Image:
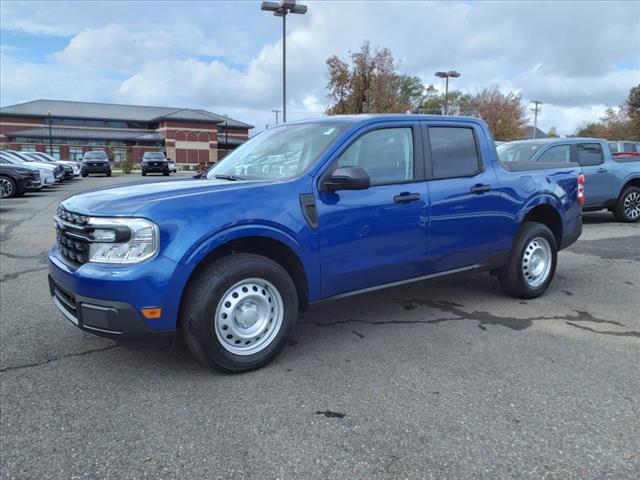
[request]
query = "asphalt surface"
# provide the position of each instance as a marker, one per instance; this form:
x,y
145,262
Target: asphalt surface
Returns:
x,y
448,379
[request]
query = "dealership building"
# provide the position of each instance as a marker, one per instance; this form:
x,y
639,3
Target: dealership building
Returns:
x,y
68,129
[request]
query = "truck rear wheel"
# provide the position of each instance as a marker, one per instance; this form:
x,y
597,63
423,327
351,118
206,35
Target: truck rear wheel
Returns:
x,y
238,311
628,207
532,262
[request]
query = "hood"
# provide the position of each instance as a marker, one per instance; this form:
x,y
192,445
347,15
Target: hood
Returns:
x,y
43,166
127,199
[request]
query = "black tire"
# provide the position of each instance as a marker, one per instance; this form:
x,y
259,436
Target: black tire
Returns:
x,y
144,174
166,174
84,175
629,213
9,187
204,296
108,173
513,278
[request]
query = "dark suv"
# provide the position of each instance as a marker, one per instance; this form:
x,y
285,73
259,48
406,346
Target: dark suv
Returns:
x,y
154,162
96,161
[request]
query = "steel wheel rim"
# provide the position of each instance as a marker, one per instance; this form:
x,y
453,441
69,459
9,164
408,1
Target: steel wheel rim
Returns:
x,y
536,262
6,189
632,205
249,316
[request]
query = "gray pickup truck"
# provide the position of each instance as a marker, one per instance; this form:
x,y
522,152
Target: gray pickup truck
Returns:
x,y
612,183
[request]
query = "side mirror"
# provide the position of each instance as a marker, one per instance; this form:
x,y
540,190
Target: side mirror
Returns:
x,y
347,178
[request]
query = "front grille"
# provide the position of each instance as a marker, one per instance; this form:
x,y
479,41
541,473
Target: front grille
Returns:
x,y
72,236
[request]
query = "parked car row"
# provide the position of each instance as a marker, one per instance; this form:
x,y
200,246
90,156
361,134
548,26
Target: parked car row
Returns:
x,y
30,171
612,179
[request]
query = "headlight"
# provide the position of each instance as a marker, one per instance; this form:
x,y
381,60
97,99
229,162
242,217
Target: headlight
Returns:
x,y
122,240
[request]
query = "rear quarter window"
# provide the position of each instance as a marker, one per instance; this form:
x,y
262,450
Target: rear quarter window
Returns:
x,y
453,152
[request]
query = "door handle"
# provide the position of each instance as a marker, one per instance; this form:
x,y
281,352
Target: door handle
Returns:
x,y
480,188
602,170
406,197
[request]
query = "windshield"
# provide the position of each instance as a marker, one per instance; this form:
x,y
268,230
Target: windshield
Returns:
x,y
96,155
517,152
278,153
153,155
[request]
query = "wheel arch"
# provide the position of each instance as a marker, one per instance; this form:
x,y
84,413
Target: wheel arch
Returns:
x,y
271,244
629,182
547,214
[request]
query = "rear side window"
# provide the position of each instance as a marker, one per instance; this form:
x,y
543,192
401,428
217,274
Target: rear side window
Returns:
x,y
614,147
558,153
386,155
453,152
628,147
589,154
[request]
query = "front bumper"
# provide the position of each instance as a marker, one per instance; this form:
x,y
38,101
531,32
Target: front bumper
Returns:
x,y
90,168
116,320
107,300
158,167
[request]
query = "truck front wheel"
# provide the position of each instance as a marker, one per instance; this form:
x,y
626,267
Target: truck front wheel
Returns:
x,y
628,207
532,262
238,311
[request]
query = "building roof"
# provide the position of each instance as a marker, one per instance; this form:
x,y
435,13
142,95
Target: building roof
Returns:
x,y
528,133
114,111
88,133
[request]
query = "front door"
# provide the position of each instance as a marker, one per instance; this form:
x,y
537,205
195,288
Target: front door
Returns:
x,y
378,235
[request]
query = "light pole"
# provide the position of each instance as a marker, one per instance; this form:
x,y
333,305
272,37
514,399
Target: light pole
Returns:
x,y
50,139
282,9
450,73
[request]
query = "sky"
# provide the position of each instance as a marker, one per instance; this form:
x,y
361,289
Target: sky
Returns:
x,y
226,57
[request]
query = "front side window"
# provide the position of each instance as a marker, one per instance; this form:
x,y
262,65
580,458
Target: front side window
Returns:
x,y
558,153
278,153
386,155
589,154
614,147
453,152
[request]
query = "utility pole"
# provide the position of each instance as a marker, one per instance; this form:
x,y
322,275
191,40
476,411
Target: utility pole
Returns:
x,y
536,109
276,112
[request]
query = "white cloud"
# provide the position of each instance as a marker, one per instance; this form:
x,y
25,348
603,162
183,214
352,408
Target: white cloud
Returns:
x,y
575,56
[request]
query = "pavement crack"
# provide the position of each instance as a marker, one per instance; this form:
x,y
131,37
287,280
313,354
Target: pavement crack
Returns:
x,y
628,333
11,276
483,318
61,357
39,256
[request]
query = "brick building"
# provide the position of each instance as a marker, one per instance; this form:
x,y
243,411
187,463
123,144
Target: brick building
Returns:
x,y
188,136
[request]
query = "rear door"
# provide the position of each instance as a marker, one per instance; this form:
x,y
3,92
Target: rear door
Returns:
x,y
599,180
468,222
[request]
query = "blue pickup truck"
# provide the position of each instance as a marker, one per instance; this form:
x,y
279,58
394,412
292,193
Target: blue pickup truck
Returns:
x,y
612,182
305,212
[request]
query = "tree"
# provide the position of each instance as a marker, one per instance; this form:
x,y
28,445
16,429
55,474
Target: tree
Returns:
x,y
504,113
552,133
621,123
370,83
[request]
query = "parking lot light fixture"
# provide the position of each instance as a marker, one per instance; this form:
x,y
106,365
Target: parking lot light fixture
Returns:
x,y
282,9
447,75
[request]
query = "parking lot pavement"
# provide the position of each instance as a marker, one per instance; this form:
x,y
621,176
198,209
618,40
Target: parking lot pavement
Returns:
x,y
448,379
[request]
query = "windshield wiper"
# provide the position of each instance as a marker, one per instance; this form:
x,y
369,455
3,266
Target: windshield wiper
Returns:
x,y
227,177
